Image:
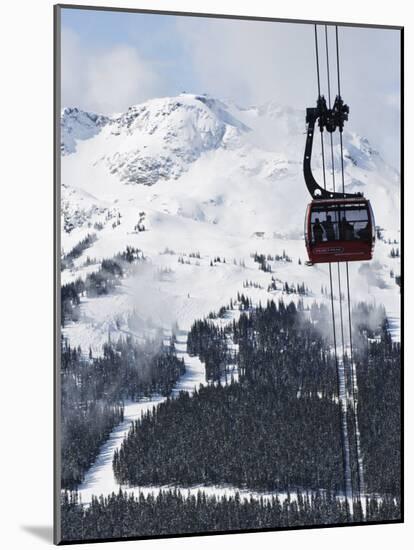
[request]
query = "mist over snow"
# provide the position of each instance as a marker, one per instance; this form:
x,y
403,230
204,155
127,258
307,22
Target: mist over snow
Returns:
x,y
193,178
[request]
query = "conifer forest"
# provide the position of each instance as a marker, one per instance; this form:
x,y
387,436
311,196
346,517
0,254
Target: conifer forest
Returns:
x,y
273,429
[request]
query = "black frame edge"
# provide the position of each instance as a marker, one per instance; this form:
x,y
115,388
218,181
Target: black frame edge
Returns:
x,y
57,539
402,229
230,16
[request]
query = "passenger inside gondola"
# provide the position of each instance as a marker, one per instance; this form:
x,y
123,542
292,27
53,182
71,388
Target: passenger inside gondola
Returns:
x,y
346,230
317,231
365,233
329,228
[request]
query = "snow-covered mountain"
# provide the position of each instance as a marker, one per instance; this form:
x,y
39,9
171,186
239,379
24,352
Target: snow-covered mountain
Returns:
x,y
78,125
208,178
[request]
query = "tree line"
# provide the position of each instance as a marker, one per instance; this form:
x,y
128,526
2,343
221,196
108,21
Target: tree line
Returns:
x,y
172,513
77,251
98,283
378,369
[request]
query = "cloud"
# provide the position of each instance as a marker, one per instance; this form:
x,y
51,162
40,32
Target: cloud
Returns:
x,y
118,79
252,62
255,62
72,71
105,81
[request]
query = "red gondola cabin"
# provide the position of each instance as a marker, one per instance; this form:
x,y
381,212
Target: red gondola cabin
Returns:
x,y
339,230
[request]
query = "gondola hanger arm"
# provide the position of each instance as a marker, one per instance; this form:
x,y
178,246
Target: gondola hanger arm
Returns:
x,y
329,120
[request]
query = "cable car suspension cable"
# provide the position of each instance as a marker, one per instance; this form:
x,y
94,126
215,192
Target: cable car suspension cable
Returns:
x,y
342,386
329,105
319,95
354,386
343,443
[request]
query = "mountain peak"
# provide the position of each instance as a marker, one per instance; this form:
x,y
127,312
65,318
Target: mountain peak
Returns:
x,y
160,138
76,125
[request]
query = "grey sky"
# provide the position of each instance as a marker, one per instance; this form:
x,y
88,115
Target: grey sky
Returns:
x,y
111,60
